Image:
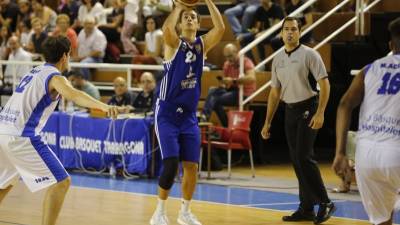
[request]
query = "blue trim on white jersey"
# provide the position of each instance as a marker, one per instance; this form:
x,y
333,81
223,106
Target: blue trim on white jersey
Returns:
x,y
49,64
33,121
49,158
367,67
46,84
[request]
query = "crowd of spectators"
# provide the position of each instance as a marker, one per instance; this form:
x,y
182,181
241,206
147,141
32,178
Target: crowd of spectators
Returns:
x,y
99,31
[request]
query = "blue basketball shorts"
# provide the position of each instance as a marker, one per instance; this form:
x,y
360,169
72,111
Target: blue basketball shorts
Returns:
x,y
177,132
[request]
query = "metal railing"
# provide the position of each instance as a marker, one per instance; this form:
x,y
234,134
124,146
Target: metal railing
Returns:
x,y
113,67
359,14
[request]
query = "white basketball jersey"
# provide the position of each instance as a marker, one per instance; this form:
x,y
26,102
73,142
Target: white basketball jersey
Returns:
x,y
380,111
28,109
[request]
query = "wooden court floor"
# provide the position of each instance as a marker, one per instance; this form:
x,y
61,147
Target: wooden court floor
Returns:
x,y
91,206
85,206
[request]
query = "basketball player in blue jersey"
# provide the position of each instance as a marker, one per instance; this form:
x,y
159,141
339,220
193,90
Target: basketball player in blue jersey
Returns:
x,y
178,95
376,88
22,153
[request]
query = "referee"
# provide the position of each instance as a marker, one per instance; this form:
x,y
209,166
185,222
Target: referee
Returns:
x,y
304,116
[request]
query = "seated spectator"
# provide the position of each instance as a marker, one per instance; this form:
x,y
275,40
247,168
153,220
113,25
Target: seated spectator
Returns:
x,y
70,8
63,28
227,94
25,11
91,8
157,8
38,36
112,31
91,45
79,82
132,18
9,14
122,97
24,32
17,54
153,52
246,10
144,101
45,14
5,34
267,15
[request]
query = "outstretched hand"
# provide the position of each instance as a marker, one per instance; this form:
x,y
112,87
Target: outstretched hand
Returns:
x,y
112,111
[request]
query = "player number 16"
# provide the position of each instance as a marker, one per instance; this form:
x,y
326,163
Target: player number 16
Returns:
x,y
390,85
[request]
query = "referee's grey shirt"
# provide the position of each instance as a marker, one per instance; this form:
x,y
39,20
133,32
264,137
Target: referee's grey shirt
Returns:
x,y
290,72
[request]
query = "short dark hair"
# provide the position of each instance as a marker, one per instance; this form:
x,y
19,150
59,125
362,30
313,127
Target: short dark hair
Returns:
x,y
394,29
194,9
290,18
154,18
55,47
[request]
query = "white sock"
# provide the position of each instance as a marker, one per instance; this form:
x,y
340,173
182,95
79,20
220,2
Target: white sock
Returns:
x,y
185,205
161,205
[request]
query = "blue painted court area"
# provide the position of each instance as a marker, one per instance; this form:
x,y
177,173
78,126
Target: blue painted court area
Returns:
x,y
219,194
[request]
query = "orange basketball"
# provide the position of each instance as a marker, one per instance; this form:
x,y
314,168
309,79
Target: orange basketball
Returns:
x,y
189,3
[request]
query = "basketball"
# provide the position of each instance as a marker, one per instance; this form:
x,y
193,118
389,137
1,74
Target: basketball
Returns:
x,y
189,3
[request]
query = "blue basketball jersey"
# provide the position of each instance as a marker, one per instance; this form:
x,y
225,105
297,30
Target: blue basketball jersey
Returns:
x,y
181,84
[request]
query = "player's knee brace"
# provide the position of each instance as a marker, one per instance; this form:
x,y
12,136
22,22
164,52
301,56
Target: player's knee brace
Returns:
x,y
170,168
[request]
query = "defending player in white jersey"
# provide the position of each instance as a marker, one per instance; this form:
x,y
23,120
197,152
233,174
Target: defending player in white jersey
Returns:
x,y
376,88
22,153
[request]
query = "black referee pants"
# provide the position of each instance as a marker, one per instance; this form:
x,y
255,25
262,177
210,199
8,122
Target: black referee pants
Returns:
x,y
300,138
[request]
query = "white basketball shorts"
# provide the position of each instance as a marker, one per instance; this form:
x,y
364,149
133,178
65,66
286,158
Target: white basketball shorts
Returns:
x,y
30,159
378,178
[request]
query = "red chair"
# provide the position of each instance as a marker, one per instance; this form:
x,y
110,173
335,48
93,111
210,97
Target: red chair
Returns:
x,y
236,136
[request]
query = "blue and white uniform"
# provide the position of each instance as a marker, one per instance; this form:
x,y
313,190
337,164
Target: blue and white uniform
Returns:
x,y
178,95
378,143
21,150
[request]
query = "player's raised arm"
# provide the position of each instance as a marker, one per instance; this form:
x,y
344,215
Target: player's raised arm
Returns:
x,y
215,34
171,38
64,88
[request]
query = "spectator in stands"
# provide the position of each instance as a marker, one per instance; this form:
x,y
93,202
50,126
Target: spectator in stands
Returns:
x,y
122,97
144,101
79,82
25,11
90,8
246,10
9,14
132,18
153,47
24,32
45,13
157,8
63,28
267,15
70,8
17,54
5,34
304,17
91,45
38,36
112,31
227,94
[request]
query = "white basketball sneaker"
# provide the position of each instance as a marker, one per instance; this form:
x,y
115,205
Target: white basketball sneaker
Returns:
x,y
159,218
187,218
